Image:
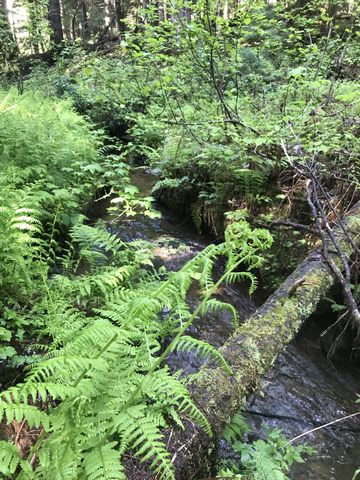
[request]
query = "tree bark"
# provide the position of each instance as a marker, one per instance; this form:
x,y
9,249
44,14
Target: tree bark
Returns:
x,y
161,10
54,17
7,40
120,15
251,351
84,21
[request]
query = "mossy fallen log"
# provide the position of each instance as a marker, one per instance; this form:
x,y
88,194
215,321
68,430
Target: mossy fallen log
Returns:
x,y
252,349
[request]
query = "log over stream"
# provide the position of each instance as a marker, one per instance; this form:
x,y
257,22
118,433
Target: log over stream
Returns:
x,y
251,350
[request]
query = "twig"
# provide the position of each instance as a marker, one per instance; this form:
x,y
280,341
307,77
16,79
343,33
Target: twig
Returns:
x,y
19,431
322,426
337,340
106,195
184,445
287,224
321,221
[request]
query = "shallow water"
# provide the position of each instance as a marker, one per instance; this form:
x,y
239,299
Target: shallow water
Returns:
x,y
301,391
304,391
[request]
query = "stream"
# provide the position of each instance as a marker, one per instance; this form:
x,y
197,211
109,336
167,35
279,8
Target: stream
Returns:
x,y
300,392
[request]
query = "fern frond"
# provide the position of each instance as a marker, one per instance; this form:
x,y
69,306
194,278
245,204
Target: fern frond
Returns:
x,y
140,432
213,304
96,238
190,409
203,349
234,277
61,463
19,411
197,214
103,463
9,458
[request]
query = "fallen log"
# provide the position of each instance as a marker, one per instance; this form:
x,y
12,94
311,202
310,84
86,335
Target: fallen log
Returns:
x,y
252,349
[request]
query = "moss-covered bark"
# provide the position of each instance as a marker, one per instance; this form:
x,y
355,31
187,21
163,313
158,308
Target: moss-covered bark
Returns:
x,y
251,351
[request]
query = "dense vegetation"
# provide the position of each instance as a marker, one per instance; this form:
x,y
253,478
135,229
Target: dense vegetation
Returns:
x,y
235,106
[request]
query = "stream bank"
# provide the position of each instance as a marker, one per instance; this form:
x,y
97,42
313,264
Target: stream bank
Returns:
x,y
301,391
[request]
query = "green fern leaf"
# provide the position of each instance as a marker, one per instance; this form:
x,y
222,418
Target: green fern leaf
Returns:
x,y
103,463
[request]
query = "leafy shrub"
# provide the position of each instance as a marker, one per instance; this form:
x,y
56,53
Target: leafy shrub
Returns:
x,y
226,115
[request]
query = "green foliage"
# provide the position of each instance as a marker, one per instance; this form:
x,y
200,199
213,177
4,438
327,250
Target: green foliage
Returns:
x,y
268,459
223,106
36,26
236,429
271,458
44,142
52,164
101,388
20,225
8,46
98,385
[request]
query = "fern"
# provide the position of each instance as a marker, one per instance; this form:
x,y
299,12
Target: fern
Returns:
x,y
235,430
197,214
101,387
213,305
103,464
251,182
95,238
110,389
9,458
167,183
19,244
203,349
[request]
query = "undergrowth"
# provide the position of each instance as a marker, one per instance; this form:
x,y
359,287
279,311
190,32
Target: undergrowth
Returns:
x,y
223,107
101,387
89,309
225,113
268,459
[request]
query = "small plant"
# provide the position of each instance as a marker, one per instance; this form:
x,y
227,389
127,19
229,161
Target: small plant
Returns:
x,y
268,459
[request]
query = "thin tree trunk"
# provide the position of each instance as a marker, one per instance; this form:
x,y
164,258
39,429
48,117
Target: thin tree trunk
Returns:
x,y
84,21
161,10
66,22
8,44
120,15
251,351
144,5
73,26
54,17
4,19
226,10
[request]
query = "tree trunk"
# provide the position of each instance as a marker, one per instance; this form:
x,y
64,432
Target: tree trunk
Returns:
x,y
84,21
4,20
7,41
3,13
161,10
120,15
251,351
55,23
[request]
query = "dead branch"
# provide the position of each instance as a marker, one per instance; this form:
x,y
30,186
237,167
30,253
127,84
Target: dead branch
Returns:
x,y
322,226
